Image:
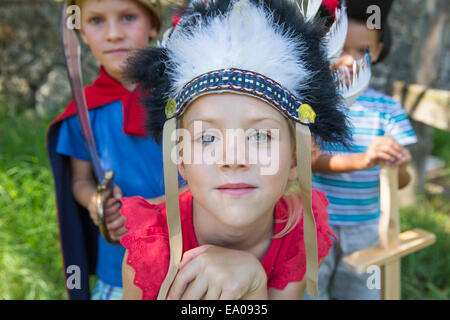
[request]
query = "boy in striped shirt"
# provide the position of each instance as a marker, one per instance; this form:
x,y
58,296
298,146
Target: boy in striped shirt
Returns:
x,y
350,178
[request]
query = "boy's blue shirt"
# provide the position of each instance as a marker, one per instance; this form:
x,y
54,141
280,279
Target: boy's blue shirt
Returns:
x,y
354,196
136,161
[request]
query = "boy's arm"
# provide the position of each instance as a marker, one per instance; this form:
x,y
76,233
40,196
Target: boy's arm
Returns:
x,y
84,187
382,149
327,163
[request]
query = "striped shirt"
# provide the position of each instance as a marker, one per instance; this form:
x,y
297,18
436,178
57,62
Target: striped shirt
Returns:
x,y
355,196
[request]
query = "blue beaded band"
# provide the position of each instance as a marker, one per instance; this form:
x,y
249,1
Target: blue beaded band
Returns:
x,y
243,82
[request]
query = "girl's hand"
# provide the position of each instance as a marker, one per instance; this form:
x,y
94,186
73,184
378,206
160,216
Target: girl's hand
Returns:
x,y
211,273
387,150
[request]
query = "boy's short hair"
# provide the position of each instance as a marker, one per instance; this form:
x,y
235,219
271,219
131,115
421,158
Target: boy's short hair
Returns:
x,y
357,10
154,10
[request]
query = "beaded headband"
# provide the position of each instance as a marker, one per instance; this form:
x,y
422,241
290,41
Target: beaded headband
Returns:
x,y
242,82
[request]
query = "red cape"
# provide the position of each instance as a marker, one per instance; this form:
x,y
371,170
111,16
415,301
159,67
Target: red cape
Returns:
x,y
105,90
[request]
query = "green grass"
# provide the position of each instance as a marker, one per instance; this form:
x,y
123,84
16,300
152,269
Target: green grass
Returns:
x,y
30,259
426,273
441,146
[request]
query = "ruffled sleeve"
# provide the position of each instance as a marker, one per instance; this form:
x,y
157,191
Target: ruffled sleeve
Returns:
x,y
147,243
291,263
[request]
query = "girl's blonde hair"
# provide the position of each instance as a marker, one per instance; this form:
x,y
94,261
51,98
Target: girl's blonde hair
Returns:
x,y
291,195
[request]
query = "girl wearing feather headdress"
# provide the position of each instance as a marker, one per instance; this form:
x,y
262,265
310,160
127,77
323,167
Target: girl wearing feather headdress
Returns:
x,y
261,69
350,177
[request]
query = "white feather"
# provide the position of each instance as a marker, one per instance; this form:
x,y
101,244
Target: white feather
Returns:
x,y
231,41
337,34
312,7
352,87
165,38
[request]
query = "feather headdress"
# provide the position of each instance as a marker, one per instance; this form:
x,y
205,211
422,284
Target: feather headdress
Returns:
x,y
352,82
275,41
337,34
273,50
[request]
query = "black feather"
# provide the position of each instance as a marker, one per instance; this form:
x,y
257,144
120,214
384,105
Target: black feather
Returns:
x,y
147,68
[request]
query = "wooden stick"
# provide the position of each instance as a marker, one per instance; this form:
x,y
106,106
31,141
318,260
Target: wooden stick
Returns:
x,y
393,245
389,230
407,243
390,281
389,226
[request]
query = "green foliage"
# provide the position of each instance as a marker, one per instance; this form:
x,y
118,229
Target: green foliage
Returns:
x,y
425,274
441,146
30,260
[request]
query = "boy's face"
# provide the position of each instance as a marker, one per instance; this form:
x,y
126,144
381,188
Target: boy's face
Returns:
x,y
359,39
234,192
113,29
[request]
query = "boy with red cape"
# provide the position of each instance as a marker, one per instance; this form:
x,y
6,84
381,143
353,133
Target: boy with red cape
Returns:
x,y
112,29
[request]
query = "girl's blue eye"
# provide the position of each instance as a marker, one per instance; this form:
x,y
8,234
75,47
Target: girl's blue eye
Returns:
x,y
260,136
207,139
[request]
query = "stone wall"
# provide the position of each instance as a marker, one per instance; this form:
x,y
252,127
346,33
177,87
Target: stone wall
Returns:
x,y
408,22
32,73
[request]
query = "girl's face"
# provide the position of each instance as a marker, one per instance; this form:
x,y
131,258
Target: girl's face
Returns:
x,y
113,29
235,192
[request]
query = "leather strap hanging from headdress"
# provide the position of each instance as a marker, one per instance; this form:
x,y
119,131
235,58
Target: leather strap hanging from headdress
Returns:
x,y
172,207
303,141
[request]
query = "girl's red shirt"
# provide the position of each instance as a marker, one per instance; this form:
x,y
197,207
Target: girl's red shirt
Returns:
x,y
148,242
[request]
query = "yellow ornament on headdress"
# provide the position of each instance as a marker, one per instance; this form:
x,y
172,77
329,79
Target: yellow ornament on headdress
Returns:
x,y
171,107
306,114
